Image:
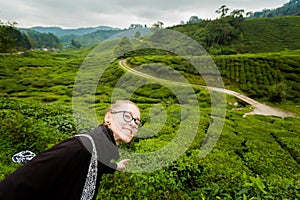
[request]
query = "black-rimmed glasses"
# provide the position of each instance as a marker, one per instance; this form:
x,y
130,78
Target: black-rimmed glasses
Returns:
x,y
127,116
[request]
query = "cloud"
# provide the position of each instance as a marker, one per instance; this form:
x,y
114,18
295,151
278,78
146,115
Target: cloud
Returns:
x,y
119,13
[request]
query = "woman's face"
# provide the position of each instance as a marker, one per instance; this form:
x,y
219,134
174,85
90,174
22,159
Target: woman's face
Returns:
x,y
124,122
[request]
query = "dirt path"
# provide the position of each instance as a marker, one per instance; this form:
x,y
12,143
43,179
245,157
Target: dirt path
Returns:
x,y
258,108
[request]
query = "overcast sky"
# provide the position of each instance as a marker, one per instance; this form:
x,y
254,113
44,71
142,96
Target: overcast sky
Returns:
x,y
119,13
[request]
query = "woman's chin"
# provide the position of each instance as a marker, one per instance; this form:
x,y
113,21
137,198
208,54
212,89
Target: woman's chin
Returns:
x,y
127,139
126,135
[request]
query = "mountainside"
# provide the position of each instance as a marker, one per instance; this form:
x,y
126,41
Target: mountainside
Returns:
x,y
58,31
90,39
94,38
269,35
231,35
289,9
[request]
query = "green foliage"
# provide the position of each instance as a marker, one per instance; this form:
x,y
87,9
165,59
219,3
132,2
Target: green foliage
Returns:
x,y
31,127
256,157
90,39
42,40
76,44
43,76
233,34
226,173
271,76
269,35
214,35
11,40
123,47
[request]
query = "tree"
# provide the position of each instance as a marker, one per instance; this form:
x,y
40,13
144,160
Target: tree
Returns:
x,y
42,40
236,17
137,34
222,10
220,31
278,92
249,14
11,39
124,47
194,19
238,13
201,35
135,26
158,24
76,44
24,43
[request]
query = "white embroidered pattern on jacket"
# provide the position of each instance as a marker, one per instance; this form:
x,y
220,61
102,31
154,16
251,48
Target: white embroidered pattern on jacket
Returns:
x,y
23,157
90,181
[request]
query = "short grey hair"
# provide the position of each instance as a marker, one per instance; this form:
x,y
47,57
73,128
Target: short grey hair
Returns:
x,y
119,103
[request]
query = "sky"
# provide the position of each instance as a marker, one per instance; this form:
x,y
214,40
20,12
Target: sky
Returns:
x,y
119,13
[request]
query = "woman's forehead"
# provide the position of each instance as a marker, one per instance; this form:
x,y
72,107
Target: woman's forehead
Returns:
x,y
129,107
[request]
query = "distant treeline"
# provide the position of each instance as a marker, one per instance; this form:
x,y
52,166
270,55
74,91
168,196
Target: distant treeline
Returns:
x,y
42,40
12,40
235,34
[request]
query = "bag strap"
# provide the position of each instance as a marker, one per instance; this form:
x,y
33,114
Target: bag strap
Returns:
x,y
91,178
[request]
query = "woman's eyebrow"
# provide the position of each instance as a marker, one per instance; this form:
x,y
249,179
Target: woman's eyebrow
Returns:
x,y
133,116
136,117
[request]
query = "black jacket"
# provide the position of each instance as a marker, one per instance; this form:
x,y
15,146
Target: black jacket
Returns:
x,y
60,172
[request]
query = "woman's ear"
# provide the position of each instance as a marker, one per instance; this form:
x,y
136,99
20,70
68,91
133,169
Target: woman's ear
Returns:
x,y
107,118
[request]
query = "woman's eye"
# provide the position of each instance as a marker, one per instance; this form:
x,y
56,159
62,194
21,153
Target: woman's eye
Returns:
x,y
127,117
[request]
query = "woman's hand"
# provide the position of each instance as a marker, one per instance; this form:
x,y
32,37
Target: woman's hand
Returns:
x,y
122,164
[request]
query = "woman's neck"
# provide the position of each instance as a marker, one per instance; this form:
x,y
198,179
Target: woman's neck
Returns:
x,y
117,139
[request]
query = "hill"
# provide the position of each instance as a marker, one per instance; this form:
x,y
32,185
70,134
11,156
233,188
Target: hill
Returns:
x,y
268,35
59,32
96,37
231,35
90,39
289,9
255,156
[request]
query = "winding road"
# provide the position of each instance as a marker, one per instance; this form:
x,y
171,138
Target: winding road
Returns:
x,y
258,108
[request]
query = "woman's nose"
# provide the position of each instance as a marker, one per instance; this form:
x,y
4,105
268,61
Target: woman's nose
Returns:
x,y
133,124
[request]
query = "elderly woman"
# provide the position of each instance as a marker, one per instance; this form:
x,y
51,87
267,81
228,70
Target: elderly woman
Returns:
x,y
73,169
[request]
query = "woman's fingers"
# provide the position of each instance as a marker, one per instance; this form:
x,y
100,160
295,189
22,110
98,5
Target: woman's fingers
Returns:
x,y
122,163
